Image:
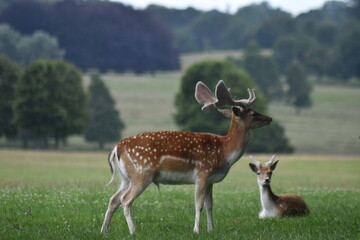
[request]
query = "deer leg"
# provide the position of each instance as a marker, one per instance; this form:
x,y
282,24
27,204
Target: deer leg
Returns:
x,y
208,206
128,198
114,203
200,189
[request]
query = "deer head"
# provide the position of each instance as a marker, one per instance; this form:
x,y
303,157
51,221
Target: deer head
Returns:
x,y
264,173
239,107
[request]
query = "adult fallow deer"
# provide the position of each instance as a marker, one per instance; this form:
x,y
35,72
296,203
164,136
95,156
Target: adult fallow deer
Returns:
x,y
183,157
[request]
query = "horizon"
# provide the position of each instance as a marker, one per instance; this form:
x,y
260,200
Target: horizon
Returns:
x,y
230,6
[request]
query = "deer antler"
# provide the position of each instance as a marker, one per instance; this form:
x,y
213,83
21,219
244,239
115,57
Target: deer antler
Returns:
x,y
270,162
223,96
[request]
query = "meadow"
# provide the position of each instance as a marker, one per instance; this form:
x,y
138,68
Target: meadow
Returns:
x,y
62,195
53,195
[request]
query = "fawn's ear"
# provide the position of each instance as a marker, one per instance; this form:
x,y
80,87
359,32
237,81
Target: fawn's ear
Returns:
x,y
273,166
253,167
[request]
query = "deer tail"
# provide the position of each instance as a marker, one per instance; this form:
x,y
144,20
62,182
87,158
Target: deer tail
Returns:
x,y
113,156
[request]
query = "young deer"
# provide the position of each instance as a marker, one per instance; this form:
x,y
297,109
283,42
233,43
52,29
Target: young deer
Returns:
x,y
183,157
285,205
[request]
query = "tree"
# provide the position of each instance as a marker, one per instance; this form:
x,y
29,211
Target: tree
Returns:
x,y
347,63
263,70
50,102
273,28
40,45
208,30
25,49
9,38
9,76
299,90
109,35
105,124
190,117
291,48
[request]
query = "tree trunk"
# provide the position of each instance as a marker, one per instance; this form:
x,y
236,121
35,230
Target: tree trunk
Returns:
x,y
57,142
25,143
101,145
46,142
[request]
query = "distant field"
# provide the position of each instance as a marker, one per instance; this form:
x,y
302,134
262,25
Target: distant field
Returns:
x,y
52,195
191,58
332,125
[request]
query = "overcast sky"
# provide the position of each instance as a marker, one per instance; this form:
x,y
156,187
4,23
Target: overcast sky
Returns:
x,y
293,6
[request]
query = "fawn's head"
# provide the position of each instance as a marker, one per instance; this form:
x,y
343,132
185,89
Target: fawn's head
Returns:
x,y
240,108
263,173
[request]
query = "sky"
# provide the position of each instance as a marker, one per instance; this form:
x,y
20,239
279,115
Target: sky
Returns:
x,y
293,6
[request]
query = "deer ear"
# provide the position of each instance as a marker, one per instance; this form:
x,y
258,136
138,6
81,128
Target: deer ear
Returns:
x,y
253,167
273,166
226,112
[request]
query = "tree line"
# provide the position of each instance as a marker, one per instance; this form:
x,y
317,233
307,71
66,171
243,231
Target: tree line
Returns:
x,y
25,49
107,35
325,40
46,102
98,34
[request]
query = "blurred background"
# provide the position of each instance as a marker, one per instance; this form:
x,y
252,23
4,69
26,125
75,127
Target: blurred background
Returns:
x,y
79,75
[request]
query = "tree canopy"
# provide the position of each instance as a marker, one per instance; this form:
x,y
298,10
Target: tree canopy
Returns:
x,y
25,49
99,34
299,90
50,102
263,70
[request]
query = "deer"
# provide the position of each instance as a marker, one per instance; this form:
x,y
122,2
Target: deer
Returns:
x,y
285,205
170,157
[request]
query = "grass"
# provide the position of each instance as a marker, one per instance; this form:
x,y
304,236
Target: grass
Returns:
x,y
52,195
330,126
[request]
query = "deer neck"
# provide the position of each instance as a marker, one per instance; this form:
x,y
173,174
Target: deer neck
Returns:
x,y
268,198
235,141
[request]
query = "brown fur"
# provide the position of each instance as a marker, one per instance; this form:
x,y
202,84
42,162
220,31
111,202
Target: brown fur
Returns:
x,y
291,205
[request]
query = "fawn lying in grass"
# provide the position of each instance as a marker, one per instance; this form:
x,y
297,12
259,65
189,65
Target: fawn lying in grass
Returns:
x,y
285,205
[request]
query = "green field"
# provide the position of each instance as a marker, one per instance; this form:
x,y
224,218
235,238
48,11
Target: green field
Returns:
x,y
331,126
52,195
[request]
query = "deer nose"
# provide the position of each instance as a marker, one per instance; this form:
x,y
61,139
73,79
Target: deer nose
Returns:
x,y
267,180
